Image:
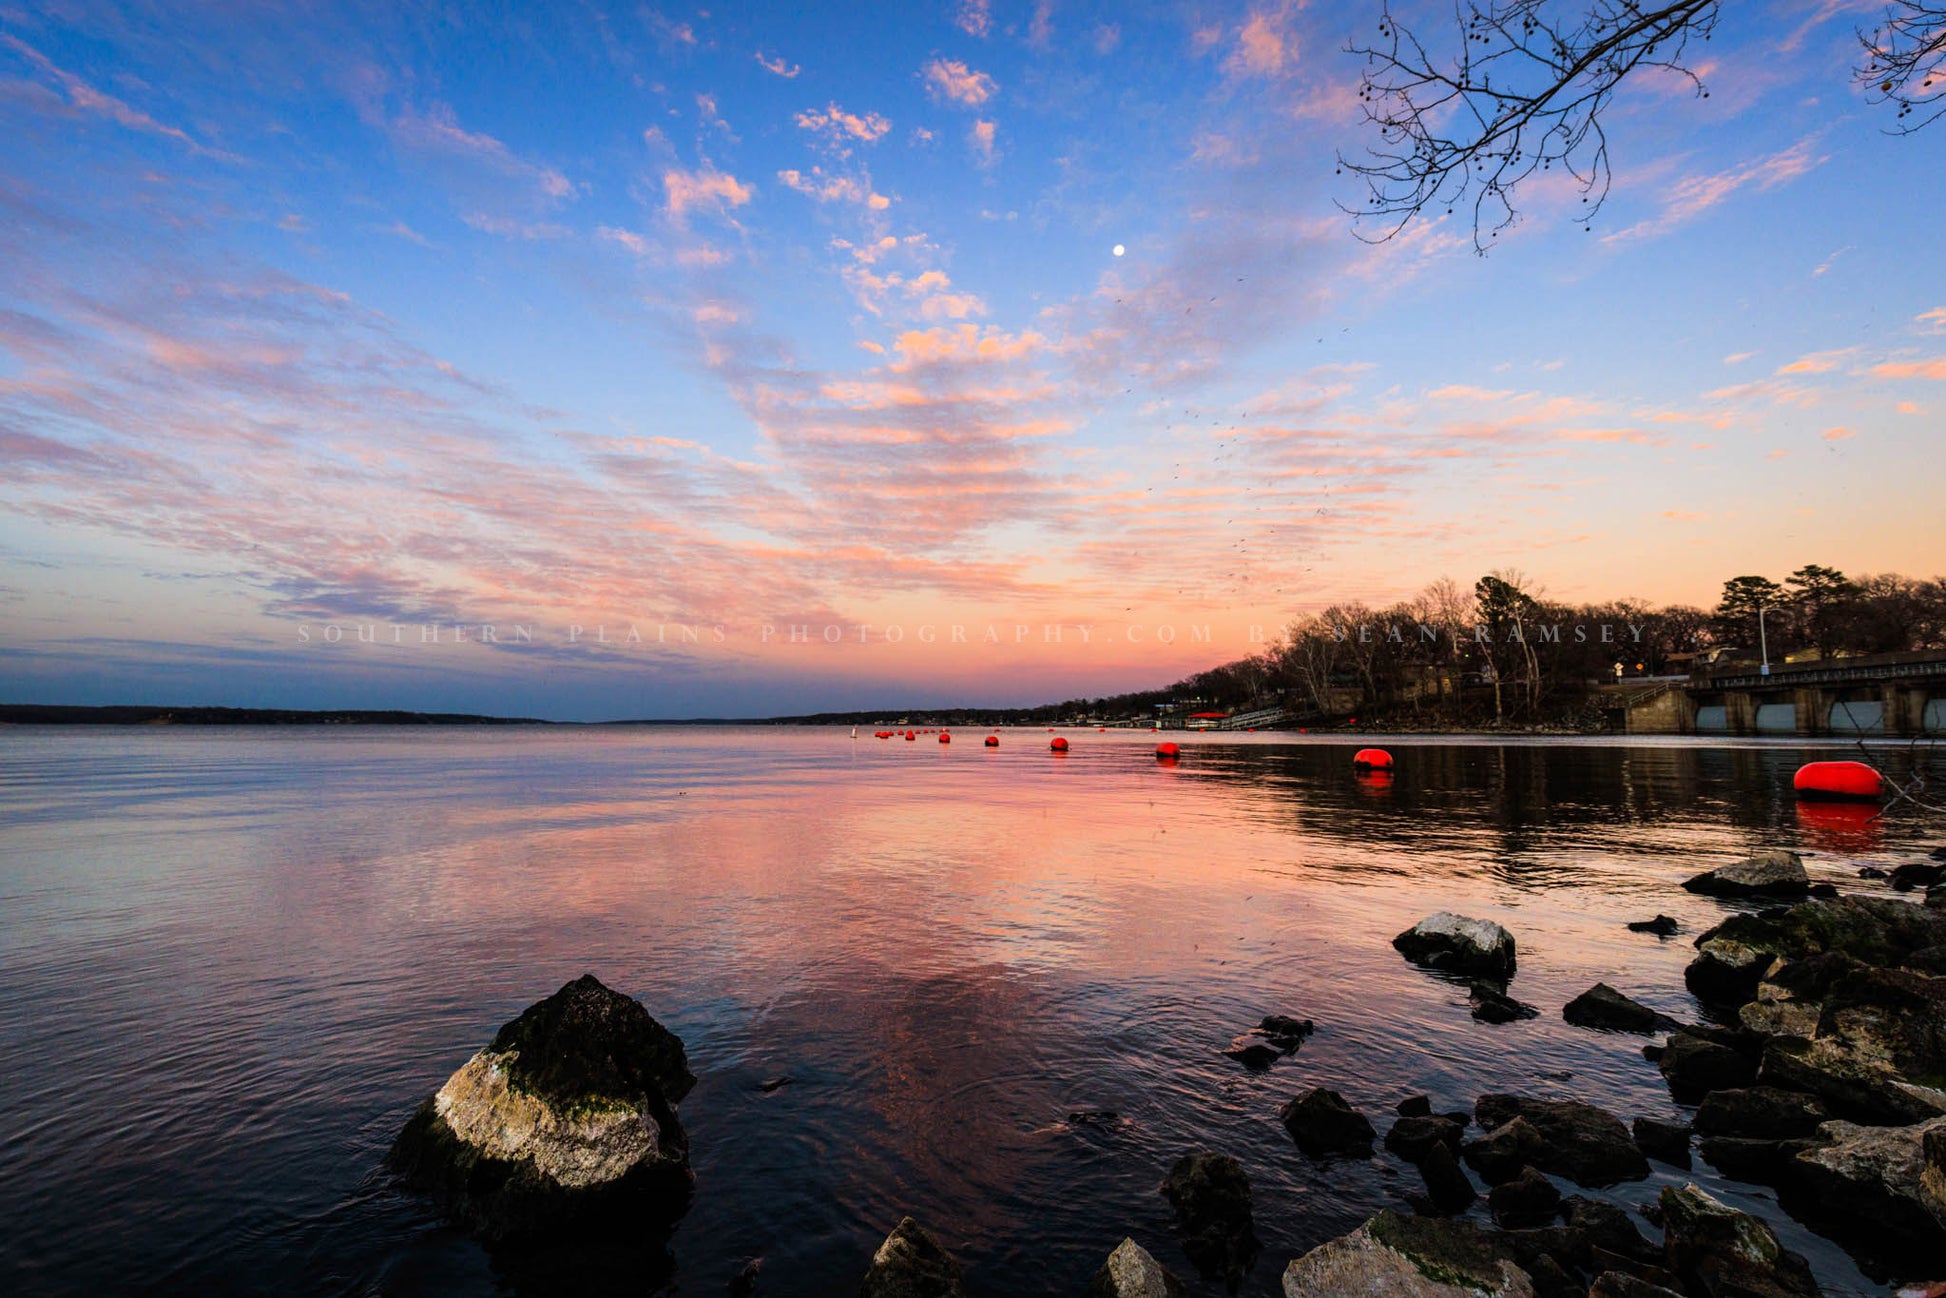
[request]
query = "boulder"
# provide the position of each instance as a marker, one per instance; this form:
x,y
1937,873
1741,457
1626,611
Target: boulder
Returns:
x,y
1747,1158
1725,971
1411,1138
1872,1179
1610,1233
1666,1142
1932,1176
1448,1191
1852,1082
1879,931
1322,1124
566,1118
1476,948
1722,1253
1777,1011
1130,1272
911,1264
1771,873
1694,1065
1285,1032
1661,926
1491,1005
1578,1141
1500,1153
1415,1106
1407,1257
1601,1006
1211,1196
1760,1113
1917,874
1530,1199
1254,1053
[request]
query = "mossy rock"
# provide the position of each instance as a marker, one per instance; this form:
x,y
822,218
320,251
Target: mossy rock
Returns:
x,y
587,1046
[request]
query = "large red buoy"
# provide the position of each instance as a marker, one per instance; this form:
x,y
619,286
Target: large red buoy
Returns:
x,y
1838,780
1058,744
945,738
910,737
993,741
1371,759
1167,752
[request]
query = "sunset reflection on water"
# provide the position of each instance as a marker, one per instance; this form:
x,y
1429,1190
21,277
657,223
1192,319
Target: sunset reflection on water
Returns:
x,y
235,959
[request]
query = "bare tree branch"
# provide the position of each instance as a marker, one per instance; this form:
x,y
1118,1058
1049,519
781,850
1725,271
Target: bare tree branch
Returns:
x,y
1905,63
1526,91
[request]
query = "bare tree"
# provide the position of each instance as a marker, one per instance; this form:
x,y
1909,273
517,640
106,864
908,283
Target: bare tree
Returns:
x,y
1526,90
1905,63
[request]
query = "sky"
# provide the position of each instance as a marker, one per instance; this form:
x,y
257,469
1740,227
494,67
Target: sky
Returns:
x,y
590,362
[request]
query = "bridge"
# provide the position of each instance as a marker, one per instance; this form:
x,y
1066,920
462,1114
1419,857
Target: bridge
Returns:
x,y
1883,694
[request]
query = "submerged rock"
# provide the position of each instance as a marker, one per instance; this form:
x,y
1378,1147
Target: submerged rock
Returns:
x,y
1661,926
1664,1141
1760,1113
1718,1251
1253,1053
1415,1106
567,1116
1530,1199
1211,1196
1587,1145
1873,1180
1448,1191
1774,872
1323,1124
1500,1153
1405,1257
912,1264
1601,1006
1491,1005
1411,1138
1477,948
1285,1032
1695,1065
1130,1272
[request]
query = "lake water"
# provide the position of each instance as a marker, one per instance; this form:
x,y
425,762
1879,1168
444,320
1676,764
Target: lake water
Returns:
x,y
233,960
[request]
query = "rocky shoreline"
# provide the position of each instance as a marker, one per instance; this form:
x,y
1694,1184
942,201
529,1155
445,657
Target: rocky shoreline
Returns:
x,y
1819,1070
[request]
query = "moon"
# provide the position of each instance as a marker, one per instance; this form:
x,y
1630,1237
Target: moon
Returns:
x,y
1119,250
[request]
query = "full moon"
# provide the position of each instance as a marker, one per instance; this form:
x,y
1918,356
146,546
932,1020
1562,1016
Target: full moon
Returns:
x,y
1119,250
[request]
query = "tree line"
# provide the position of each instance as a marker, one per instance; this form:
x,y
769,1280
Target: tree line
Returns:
x,y
1502,649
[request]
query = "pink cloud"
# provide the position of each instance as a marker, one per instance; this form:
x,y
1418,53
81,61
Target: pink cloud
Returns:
x,y
705,189
85,98
1691,196
837,125
1265,44
1932,369
788,71
954,82
974,17
834,189
981,137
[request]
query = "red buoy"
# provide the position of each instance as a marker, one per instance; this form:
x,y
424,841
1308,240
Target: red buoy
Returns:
x,y
993,741
1058,744
1371,759
1167,752
1838,780
910,737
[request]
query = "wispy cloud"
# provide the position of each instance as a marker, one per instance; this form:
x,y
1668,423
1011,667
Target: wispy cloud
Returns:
x,y
953,82
1692,196
81,97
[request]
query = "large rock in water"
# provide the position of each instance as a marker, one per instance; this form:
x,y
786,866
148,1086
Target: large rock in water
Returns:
x,y
568,1116
1873,1180
1587,1145
1405,1257
1772,873
1211,1196
1601,1006
911,1264
1477,948
1322,1124
1718,1251
1130,1272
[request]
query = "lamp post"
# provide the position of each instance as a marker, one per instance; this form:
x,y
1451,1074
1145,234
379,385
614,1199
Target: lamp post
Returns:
x,y
1763,642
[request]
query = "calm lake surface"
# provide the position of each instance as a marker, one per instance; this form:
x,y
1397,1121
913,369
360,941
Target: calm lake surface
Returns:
x,y
233,960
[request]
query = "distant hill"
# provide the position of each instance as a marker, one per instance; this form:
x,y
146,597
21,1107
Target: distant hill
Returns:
x,y
36,714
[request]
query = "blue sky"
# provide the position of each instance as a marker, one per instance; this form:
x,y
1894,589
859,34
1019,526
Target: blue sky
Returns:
x,y
735,319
